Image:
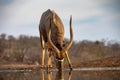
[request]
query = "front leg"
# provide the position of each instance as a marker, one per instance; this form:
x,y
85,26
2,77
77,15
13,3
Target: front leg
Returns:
x,y
68,59
49,58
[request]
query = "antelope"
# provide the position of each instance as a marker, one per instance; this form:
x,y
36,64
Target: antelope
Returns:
x,y
52,38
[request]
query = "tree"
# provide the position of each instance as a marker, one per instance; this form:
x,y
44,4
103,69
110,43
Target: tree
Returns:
x,y
3,36
10,37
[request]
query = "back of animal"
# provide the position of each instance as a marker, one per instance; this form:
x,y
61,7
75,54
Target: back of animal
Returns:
x,y
57,28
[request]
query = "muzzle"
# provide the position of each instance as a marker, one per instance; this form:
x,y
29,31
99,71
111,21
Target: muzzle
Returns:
x,y
60,64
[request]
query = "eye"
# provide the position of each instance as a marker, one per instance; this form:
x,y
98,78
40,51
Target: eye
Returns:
x,y
64,45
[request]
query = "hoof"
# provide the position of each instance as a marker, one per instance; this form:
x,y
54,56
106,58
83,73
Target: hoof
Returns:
x,y
49,66
42,66
71,68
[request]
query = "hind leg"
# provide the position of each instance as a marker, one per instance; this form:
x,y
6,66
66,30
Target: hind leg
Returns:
x,y
43,57
43,50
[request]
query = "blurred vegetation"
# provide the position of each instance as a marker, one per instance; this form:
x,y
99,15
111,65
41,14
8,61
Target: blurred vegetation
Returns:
x,y
27,49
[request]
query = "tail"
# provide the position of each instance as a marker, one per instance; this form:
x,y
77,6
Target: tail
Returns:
x,y
54,19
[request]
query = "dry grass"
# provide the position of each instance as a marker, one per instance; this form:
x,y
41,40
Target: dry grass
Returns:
x,y
19,66
106,62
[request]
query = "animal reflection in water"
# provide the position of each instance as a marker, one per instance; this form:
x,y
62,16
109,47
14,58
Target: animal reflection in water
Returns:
x,y
59,75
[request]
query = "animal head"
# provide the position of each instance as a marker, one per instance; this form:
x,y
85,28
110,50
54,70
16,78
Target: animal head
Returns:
x,y
60,51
